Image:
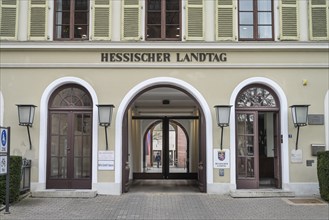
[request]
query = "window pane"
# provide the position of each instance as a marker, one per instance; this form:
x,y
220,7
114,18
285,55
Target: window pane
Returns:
x,y
264,5
172,18
63,5
241,167
154,5
246,18
264,18
172,5
81,4
63,18
250,167
246,5
80,31
81,18
172,31
246,32
265,31
154,31
154,18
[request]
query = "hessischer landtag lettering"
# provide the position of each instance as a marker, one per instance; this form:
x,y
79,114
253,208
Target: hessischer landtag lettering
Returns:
x,y
163,57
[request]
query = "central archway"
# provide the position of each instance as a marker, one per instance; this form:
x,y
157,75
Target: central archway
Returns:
x,y
167,82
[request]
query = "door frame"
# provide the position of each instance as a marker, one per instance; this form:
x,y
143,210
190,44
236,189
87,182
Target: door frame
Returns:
x,y
283,121
277,110
69,182
203,149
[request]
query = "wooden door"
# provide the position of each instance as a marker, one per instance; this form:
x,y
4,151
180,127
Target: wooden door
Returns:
x,y
69,150
247,156
277,151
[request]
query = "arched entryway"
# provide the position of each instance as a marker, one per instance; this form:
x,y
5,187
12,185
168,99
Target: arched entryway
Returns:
x,y
170,106
69,138
258,139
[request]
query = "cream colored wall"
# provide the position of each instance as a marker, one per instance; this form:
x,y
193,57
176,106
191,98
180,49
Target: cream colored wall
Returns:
x,y
26,85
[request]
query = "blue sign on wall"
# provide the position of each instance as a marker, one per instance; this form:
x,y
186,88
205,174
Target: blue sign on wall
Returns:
x,y
4,140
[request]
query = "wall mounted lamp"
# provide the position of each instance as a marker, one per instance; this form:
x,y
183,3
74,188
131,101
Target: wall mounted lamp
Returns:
x,y
25,118
105,118
299,117
223,118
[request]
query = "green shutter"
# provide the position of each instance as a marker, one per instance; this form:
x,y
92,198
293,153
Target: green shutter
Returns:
x,y
131,20
38,20
319,19
289,20
225,20
8,19
195,20
102,20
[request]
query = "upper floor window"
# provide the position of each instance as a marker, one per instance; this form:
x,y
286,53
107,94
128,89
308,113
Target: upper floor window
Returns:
x,y
163,20
256,20
71,19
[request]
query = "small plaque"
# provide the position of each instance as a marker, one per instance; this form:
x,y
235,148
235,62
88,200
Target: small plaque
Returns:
x,y
316,119
296,156
3,165
309,163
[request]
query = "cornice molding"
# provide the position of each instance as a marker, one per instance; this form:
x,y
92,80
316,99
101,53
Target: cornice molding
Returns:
x,y
161,66
175,46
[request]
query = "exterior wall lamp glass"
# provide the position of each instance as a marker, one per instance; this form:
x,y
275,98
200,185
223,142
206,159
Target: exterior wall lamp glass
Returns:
x,y
105,118
25,118
299,117
223,118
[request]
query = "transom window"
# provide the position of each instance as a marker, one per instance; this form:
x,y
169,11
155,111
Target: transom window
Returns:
x,y
163,20
256,97
71,97
71,19
255,20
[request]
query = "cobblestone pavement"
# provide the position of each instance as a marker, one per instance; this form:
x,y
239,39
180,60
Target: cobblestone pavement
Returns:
x,y
163,206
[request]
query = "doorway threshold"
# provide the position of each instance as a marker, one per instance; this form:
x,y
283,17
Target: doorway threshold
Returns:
x,y
64,193
261,193
163,186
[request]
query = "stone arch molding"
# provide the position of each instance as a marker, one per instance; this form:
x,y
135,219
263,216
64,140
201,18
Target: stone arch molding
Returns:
x,y
147,84
283,121
44,121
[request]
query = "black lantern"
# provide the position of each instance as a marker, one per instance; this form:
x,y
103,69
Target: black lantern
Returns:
x,y
223,118
299,117
25,117
105,118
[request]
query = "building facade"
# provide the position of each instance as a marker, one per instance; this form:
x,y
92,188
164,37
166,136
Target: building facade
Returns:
x,y
164,65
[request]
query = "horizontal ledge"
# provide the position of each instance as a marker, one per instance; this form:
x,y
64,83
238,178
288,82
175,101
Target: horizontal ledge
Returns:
x,y
160,66
108,45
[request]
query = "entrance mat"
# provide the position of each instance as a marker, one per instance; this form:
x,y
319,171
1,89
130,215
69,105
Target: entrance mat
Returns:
x,y
305,201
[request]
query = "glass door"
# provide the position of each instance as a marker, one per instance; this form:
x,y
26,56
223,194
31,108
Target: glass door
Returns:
x,y
247,156
69,150
170,148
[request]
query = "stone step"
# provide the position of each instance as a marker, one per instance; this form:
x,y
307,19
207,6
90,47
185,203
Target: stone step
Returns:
x,y
52,193
260,193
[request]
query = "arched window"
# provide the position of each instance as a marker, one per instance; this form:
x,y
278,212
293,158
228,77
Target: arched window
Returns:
x,y
256,96
69,97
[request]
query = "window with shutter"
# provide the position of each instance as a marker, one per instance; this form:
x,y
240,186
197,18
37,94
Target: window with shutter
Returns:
x,y
319,19
131,20
8,19
102,20
71,19
38,20
256,20
225,18
195,20
289,20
